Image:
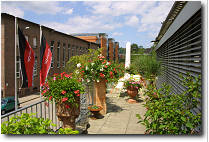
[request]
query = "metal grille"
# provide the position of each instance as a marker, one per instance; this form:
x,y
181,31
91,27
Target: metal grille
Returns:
x,y
181,53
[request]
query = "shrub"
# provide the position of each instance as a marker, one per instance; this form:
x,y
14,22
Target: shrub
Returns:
x,y
172,113
146,65
27,124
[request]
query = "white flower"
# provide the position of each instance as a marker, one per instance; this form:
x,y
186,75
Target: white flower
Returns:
x,y
77,72
91,69
87,68
101,69
88,80
92,64
107,63
78,65
97,80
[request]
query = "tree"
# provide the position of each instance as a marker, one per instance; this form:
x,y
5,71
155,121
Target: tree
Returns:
x,y
134,48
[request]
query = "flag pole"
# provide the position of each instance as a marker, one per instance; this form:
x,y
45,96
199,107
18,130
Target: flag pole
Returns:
x,y
16,97
40,62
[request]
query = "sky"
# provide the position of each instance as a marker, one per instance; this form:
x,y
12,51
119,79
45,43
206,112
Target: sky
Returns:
x,y
134,21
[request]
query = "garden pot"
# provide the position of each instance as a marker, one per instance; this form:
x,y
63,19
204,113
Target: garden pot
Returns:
x,y
95,112
132,92
68,115
100,95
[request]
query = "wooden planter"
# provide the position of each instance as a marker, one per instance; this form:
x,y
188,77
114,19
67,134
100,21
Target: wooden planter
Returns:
x,y
68,115
100,95
132,92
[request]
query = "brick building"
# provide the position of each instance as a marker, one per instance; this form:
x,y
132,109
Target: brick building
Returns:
x,y
99,38
105,43
111,45
63,46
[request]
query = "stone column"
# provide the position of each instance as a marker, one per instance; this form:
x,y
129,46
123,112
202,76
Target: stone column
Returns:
x,y
128,55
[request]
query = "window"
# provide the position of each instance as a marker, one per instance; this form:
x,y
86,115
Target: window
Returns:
x,y
26,37
34,42
18,66
73,50
58,54
63,55
35,67
68,52
52,47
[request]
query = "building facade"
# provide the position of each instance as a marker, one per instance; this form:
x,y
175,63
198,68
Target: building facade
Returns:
x,y
108,45
179,46
99,38
63,47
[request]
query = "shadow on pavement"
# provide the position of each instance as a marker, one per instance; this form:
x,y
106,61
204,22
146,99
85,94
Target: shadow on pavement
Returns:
x,y
112,107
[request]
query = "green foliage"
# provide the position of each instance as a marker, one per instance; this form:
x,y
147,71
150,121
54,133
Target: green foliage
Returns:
x,y
28,124
171,113
146,65
66,131
63,88
71,66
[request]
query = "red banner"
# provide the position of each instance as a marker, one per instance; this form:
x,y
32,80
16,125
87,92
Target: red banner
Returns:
x,y
46,57
27,58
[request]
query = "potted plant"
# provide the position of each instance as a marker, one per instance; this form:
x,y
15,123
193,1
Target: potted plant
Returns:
x,y
132,87
100,71
94,109
65,90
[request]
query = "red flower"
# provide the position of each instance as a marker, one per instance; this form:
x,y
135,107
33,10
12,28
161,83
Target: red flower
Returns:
x,y
64,99
67,75
105,66
67,106
82,71
101,75
78,95
103,62
111,73
76,92
50,98
63,92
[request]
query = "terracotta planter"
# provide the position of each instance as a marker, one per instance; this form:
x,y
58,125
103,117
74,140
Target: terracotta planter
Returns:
x,y
132,92
100,95
68,115
95,112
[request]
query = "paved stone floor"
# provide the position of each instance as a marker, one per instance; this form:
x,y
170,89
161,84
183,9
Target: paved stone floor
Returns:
x,y
121,116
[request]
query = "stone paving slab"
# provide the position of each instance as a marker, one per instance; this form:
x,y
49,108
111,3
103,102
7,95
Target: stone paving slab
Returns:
x,y
121,116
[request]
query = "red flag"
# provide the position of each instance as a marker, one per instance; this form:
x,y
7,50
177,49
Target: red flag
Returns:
x,y
27,58
46,57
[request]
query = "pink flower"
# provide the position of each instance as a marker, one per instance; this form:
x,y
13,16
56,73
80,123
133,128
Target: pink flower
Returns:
x,y
63,92
54,78
64,99
76,92
50,98
78,95
43,92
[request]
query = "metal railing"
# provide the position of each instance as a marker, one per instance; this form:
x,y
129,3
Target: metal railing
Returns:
x,y
45,109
